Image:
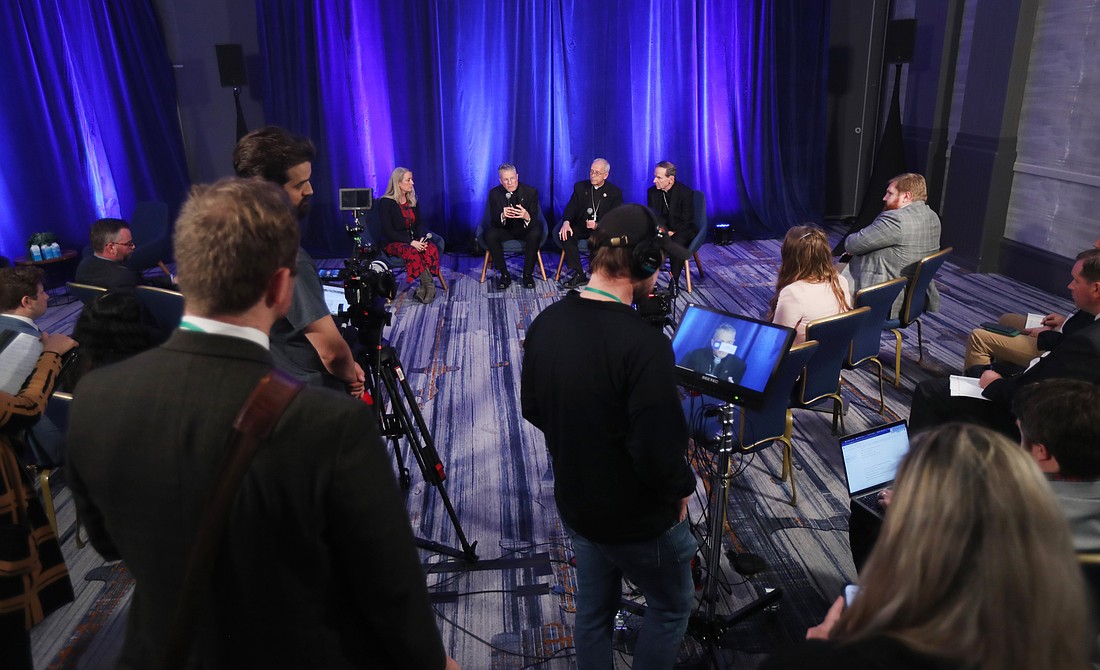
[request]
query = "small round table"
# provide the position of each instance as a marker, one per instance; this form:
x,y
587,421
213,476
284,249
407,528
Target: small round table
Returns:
x,y
58,271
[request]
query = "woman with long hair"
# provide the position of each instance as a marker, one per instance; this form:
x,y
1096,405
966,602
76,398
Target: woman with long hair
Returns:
x,y
112,327
973,569
404,234
809,286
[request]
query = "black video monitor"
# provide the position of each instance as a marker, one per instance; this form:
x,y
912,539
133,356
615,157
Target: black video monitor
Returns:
x,y
729,357
356,198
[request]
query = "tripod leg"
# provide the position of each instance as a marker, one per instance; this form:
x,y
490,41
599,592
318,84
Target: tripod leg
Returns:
x,y
403,402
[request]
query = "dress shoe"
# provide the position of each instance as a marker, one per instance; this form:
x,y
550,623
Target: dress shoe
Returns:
x,y
575,280
528,281
504,281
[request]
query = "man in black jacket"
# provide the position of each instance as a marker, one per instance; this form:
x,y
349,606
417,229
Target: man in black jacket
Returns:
x,y
674,203
513,215
1076,356
617,438
317,566
591,200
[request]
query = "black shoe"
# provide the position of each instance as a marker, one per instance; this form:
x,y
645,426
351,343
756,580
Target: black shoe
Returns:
x,y
504,281
528,281
575,280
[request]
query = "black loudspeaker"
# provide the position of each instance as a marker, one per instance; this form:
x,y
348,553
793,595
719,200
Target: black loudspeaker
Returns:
x,y
900,37
231,65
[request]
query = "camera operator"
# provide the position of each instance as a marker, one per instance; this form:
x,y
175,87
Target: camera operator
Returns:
x,y
305,343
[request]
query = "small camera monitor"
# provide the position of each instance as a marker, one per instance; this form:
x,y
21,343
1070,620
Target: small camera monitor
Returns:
x,y
729,357
356,198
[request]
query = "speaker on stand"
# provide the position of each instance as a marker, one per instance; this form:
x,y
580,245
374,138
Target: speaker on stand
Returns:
x,y
232,73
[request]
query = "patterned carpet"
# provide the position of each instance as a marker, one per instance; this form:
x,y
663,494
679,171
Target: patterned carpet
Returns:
x,y
514,608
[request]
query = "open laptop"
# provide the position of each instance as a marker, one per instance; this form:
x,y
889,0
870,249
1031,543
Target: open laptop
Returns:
x,y
871,460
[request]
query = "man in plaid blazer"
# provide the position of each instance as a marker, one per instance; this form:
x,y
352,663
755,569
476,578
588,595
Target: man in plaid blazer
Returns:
x,y
906,231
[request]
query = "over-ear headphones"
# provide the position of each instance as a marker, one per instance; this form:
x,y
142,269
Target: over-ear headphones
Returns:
x,y
647,256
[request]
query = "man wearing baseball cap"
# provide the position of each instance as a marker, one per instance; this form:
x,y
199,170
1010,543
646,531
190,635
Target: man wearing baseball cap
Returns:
x,y
618,440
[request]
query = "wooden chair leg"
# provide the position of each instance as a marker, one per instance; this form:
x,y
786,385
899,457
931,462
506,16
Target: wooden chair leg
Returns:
x,y
542,268
699,266
442,281
881,394
687,273
485,267
561,261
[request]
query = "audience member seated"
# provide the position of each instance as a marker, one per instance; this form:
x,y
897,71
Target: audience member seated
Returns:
x,y
974,569
22,300
906,231
809,286
1076,356
1060,428
1012,353
33,578
112,244
404,233
719,359
112,327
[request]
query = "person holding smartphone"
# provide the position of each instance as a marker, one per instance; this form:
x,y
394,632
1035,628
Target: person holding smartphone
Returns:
x,y
404,234
964,575
513,215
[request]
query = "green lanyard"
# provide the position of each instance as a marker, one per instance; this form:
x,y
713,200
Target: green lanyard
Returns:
x,y
604,293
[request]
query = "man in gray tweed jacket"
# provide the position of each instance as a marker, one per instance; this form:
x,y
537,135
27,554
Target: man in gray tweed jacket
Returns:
x,y
906,231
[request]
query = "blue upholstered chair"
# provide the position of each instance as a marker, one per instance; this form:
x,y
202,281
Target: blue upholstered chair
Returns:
x,y
165,306
84,292
149,224
699,205
772,421
372,232
821,378
868,338
511,246
916,296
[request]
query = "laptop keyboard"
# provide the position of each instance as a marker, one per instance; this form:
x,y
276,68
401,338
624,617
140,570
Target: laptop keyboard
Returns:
x,y
873,501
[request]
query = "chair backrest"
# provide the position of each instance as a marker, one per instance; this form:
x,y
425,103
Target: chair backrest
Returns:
x,y
868,338
165,306
769,420
699,205
85,292
57,410
834,336
149,224
917,291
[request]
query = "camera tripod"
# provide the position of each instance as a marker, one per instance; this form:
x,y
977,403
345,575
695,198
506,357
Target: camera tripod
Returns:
x,y
388,386
709,626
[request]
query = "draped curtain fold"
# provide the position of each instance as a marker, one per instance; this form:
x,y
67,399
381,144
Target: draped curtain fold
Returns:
x,y
89,124
731,92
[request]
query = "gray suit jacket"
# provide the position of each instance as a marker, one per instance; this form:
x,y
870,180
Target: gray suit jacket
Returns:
x,y
891,247
317,568
19,326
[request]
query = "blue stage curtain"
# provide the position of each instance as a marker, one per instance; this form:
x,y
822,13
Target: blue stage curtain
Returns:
x,y
88,122
733,93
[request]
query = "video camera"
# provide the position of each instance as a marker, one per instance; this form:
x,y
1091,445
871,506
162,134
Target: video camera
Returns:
x,y
368,285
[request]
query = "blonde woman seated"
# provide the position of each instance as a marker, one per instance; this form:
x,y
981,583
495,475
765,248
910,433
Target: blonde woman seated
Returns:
x,y
808,287
974,569
404,234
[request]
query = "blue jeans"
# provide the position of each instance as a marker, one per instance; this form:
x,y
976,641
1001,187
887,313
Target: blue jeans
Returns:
x,y
661,568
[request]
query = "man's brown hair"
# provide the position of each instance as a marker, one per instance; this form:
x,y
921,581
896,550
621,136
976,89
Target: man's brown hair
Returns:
x,y
104,231
1090,264
231,237
17,283
911,183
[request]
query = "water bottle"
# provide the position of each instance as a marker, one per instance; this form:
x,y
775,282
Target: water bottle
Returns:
x,y
55,250
36,253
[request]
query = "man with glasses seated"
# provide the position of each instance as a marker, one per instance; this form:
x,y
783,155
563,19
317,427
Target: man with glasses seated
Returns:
x,y
112,244
591,200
